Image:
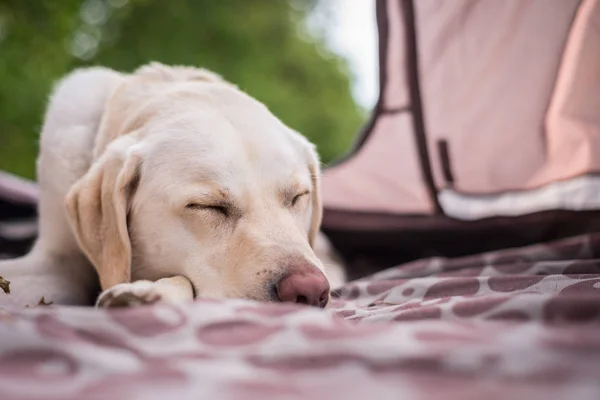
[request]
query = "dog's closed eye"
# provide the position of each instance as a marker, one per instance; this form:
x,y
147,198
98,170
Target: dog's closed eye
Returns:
x,y
298,197
221,209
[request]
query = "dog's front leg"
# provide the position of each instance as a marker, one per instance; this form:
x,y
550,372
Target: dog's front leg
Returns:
x,y
172,290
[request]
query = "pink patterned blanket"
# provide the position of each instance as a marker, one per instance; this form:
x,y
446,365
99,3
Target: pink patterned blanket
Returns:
x,y
515,324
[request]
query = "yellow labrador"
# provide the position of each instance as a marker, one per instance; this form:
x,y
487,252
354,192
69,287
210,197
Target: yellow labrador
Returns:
x,y
167,184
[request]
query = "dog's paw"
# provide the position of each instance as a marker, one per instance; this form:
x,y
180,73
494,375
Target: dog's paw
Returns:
x,y
130,294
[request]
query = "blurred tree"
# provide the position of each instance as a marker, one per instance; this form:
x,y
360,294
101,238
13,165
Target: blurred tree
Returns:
x,y
261,45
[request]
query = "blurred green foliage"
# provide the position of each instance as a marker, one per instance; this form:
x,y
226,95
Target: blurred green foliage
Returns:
x,y
260,45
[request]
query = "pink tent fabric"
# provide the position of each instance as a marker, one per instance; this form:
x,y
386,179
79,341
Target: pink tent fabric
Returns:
x,y
488,113
478,96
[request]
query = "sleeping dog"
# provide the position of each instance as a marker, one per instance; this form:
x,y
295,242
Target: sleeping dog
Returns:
x,y
168,184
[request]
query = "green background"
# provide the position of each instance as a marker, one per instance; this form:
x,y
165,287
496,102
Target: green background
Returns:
x,y
261,45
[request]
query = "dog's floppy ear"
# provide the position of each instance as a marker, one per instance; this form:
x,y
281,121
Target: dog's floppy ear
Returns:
x,y
314,167
97,207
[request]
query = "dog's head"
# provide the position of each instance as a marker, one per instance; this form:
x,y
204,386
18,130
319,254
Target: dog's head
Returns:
x,y
200,180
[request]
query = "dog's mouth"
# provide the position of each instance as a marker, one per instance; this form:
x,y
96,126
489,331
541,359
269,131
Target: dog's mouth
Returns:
x,y
268,294
194,290
272,294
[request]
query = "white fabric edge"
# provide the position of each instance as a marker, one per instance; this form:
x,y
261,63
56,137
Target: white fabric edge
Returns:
x,y
577,194
19,230
14,188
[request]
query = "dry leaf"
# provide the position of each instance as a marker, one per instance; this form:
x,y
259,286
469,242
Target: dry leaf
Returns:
x,y
5,285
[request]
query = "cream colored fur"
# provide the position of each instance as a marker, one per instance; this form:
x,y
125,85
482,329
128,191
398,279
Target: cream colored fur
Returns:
x,y
129,167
